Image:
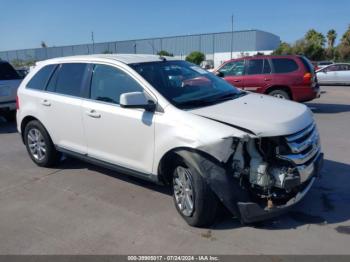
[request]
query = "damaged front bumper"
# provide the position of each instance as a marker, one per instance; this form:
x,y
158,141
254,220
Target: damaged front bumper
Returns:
x,y
252,212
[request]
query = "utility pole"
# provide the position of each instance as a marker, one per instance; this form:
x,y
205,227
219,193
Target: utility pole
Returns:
x,y
93,42
231,35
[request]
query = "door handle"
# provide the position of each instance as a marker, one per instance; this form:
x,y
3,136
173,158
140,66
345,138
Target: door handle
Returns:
x,y
236,80
267,79
93,114
45,103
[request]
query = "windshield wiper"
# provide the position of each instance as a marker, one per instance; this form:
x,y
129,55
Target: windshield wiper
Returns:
x,y
226,97
211,101
195,103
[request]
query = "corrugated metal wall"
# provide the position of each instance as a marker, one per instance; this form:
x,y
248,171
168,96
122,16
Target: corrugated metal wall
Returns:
x,y
252,40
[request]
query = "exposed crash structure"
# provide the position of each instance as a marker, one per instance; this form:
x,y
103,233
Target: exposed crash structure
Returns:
x,y
263,177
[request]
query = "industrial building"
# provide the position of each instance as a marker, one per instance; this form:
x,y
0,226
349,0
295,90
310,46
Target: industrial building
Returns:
x,y
216,46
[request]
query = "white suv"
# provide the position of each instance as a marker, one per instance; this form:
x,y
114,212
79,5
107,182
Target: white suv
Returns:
x,y
173,123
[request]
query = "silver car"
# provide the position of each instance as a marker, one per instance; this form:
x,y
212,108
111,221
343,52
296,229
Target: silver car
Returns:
x,y
338,74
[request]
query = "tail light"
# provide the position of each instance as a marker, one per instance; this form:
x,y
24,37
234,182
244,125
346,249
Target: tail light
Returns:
x,y
17,103
307,78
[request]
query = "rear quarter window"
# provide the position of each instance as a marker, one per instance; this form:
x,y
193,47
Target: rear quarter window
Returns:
x,y
308,65
284,65
40,79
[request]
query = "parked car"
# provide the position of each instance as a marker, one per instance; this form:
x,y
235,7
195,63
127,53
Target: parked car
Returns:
x,y
286,77
321,64
173,123
207,64
9,82
335,74
22,71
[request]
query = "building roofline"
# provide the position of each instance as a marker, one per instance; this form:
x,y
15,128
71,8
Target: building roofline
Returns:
x,y
140,39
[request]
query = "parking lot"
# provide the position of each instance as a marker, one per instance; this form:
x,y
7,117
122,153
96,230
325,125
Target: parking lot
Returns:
x,y
82,209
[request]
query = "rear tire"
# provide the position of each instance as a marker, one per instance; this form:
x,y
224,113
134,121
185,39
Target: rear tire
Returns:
x,y
39,145
279,93
191,186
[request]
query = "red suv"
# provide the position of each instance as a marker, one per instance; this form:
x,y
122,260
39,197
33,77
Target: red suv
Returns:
x,y
288,77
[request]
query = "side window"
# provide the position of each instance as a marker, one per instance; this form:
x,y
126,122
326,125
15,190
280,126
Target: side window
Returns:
x,y
255,67
267,67
332,68
7,72
39,80
108,83
233,68
68,79
284,65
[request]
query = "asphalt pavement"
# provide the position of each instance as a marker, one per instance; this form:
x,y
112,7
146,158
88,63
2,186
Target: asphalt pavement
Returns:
x,y
78,208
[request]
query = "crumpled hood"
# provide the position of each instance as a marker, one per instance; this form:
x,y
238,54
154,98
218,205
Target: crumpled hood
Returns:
x,y
263,115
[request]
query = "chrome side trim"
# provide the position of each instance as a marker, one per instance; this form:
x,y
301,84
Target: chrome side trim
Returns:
x,y
300,134
300,159
312,138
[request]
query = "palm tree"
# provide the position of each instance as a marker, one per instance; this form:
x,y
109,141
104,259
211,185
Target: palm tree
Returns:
x,y
331,36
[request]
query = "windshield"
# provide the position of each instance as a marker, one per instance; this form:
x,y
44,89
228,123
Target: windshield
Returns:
x,y
186,85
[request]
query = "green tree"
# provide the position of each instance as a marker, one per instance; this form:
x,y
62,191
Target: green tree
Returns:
x,y
343,49
283,49
195,57
330,51
314,37
331,36
164,53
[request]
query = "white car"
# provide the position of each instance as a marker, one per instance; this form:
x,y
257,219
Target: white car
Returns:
x,y
9,82
335,74
173,123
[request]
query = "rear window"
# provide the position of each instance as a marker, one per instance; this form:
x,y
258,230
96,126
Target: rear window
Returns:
x,y
68,79
39,81
284,65
7,72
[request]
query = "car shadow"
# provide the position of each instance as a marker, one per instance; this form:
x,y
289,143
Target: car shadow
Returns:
x,y
7,127
326,203
73,163
328,108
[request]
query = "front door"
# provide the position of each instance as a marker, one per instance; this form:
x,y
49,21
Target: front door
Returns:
x,y
121,136
233,72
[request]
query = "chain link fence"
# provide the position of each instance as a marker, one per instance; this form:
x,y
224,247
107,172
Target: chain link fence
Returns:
x,y
179,46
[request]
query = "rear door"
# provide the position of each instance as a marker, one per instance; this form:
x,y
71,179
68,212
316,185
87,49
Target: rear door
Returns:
x,y
233,72
343,75
258,75
61,106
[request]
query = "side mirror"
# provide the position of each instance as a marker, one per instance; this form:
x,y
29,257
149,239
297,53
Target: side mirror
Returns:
x,y
219,74
137,100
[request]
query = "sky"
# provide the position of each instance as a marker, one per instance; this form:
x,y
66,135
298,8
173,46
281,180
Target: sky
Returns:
x,y
24,24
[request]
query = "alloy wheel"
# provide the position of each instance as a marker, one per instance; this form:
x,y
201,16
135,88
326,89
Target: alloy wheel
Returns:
x,y
36,144
183,190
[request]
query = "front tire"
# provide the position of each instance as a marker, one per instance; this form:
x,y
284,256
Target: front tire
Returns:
x,y
280,94
39,145
193,198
